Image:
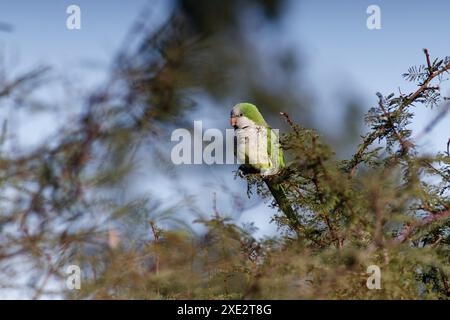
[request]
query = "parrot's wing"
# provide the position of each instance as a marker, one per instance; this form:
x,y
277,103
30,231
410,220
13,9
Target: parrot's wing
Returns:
x,y
274,149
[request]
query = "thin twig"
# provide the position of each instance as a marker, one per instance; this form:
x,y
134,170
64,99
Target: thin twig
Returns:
x,y
427,55
156,233
290,122
405,144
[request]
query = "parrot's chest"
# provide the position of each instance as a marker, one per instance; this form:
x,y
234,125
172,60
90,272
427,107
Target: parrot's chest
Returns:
x,y
252,146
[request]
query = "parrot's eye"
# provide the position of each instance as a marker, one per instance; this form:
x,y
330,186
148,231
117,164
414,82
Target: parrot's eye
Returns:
x,y
240,114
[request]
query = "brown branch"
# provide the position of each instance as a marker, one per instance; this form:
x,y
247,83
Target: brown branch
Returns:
x,y
445,282
156,234
404,143
357,158
288,118
334,235
409,230
427,55
290,122
424,86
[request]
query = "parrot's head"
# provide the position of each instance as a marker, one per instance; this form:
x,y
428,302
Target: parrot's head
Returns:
x,y
245,115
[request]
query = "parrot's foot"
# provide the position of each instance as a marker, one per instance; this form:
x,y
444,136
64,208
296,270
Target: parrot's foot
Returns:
x,y
246,169
270,172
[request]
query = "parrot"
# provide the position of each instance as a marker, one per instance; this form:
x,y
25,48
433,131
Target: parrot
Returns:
x,y
259,151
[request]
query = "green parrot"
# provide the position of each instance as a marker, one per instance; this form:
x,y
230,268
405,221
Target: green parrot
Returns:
x,y
259,152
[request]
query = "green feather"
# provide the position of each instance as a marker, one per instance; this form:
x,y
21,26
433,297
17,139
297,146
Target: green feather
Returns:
x,y
251,111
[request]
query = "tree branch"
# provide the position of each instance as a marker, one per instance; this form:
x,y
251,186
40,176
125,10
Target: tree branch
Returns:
x,y
409,230
357,158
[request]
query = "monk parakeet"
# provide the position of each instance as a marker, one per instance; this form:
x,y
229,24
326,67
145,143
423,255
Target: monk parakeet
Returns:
x,y
258,149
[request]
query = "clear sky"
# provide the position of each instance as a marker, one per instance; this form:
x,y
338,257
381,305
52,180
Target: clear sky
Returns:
x,y
40,33
342,56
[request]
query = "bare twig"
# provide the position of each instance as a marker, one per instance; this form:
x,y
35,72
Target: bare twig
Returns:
x,y
290,122
156,235
427,55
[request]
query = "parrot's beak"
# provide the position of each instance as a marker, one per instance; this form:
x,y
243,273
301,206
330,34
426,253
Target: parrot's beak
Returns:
x,y
233,121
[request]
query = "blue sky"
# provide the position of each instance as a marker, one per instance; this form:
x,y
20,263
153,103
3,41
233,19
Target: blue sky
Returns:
x,y
40,35
342,57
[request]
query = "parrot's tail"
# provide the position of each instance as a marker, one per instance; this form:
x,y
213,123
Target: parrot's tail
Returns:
x,y
279,194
